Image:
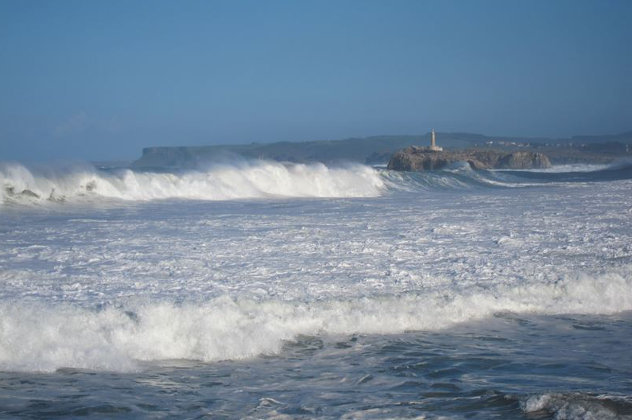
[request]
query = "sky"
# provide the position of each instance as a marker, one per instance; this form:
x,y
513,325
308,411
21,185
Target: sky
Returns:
x,y
100,80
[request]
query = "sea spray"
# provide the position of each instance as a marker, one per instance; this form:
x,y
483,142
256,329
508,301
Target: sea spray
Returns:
x,y
226,181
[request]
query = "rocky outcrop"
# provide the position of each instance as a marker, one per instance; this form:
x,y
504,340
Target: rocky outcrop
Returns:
x,y
523,160
416,159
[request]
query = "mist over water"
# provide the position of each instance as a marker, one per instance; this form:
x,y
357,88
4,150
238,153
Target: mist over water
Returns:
x,y
262,289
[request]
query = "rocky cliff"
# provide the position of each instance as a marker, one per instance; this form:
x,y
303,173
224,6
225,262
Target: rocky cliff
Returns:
x,y
416,158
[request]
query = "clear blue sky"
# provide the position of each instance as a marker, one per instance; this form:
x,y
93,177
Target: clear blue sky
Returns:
x,y
99,80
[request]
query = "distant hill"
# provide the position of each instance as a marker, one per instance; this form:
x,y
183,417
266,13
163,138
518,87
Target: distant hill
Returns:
x,y
379,149
625,138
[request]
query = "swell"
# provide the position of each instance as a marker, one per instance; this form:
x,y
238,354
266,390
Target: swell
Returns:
x,y
462,176
616,171
39,336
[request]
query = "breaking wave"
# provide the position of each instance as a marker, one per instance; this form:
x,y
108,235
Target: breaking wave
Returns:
x,y
577,406
35,336
266,179
238,180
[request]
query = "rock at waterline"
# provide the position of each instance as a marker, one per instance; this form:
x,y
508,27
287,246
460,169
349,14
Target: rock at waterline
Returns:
x,y
415,159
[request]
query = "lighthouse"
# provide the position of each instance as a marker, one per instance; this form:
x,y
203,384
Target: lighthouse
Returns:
x,y
433,143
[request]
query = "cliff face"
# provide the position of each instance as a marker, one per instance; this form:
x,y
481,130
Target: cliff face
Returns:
x,y
416,159
524,160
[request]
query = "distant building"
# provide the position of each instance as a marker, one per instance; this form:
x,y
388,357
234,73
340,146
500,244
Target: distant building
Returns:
x,y
433,143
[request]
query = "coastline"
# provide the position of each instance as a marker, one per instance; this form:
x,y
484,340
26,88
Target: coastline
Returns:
x,y
416,159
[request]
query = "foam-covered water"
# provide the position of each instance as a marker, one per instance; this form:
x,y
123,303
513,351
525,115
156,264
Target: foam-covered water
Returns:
x,y
257,289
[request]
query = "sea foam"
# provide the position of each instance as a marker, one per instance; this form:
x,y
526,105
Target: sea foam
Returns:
x,y
37,336
577,406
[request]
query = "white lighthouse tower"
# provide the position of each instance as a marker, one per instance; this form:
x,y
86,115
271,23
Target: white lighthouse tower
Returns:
x,y
433,143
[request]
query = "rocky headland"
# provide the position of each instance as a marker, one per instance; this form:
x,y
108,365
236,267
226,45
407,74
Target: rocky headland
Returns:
x,y
473,148
415,159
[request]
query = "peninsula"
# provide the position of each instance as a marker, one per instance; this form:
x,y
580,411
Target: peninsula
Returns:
x,y
480,150
423,158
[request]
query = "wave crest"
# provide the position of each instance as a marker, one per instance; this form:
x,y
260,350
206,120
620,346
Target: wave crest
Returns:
x,y
238,180
577,406
45,337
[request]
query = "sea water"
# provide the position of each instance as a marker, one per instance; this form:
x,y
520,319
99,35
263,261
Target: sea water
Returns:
x,y
268,290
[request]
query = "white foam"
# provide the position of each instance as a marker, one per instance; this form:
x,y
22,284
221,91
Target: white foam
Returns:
x,y
45,337
237,180
573,406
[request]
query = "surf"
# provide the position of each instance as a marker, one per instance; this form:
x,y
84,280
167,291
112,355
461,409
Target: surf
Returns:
x,y
236,179
222,181
38,336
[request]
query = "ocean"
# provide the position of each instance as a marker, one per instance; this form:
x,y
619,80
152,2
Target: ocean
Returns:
x,y
256,289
